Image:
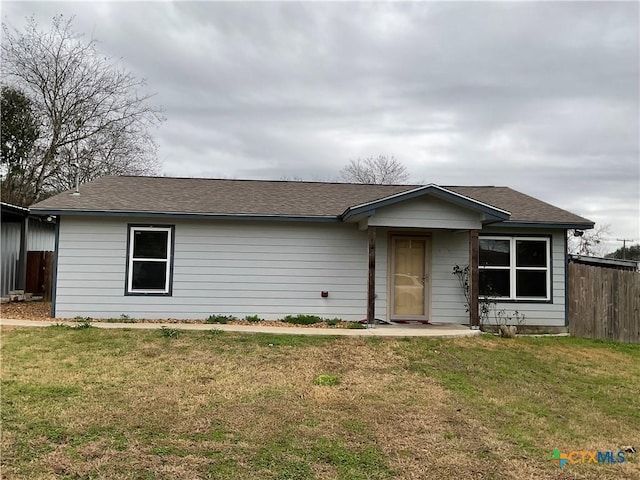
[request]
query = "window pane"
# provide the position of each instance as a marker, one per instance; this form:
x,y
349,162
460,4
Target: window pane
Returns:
x,y
149,275
150,244
494,253
494,283
531,283
531,253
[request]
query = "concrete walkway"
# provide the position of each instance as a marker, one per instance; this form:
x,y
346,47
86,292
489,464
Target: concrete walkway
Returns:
x,y
439,330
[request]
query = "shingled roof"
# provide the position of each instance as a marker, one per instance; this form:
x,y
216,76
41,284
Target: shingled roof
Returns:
x,y
211,197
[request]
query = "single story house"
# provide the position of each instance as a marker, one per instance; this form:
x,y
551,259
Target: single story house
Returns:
x,y
21,232
186,248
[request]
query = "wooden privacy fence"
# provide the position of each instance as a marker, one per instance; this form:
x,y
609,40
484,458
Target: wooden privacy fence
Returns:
x,y
604,303
39,274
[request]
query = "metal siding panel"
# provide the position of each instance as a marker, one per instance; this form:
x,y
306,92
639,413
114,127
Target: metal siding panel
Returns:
x,y
10,248
41,236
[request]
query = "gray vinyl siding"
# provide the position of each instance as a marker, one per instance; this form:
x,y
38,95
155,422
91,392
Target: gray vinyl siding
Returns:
x,y
231,268
426,212
448,302
450,248
269,269
447,249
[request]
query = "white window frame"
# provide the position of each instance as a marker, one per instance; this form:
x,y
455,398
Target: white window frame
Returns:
x,y
167,261
513,268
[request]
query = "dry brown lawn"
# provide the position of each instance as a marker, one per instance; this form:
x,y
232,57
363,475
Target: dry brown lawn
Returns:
x,y
119,404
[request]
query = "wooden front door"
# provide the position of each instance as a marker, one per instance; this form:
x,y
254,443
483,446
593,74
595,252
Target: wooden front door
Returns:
x,y
409,278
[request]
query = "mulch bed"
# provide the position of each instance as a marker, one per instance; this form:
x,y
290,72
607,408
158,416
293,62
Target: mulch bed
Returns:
x,y
26,310
42,311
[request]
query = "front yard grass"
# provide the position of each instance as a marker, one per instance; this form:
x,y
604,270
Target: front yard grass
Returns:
x,y
96,403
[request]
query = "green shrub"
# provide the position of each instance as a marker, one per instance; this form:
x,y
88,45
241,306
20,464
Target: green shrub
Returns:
x,y
82,323
332,322
82,326
169,332
253,318
356,326
220,319
326,380
302,319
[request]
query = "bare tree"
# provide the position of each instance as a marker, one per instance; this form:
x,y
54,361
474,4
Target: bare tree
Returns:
x,y
294,178
93,114
381,170
587,242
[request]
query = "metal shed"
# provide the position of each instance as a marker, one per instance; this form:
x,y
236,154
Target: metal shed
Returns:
x,y
21,232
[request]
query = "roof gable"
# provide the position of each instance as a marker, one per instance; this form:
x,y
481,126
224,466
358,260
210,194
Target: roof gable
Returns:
x,y
431,189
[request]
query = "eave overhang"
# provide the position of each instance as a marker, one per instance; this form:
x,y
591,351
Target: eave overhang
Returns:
x,y
8,208
208,216
563,225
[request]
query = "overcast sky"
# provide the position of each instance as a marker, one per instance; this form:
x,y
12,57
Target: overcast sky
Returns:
x,y
542,96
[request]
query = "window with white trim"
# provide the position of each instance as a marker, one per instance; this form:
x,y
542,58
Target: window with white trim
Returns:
x,y
515,268
149,260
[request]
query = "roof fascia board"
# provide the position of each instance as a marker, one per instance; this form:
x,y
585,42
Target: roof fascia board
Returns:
x,y
570,225
10,210
11,205
430,189
278,218
359,216
490,222
15,209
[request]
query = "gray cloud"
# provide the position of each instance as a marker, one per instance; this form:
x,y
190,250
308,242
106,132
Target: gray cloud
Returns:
x,y
540,96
